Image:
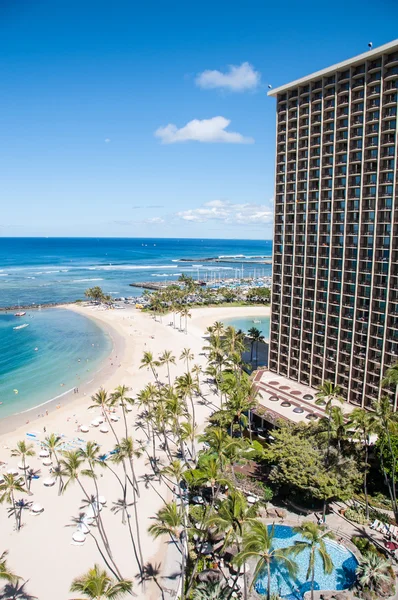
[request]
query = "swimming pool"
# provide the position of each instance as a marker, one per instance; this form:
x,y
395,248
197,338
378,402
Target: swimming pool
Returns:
x,y
342,577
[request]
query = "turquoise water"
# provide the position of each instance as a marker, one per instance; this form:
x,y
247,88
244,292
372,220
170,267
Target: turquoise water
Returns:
x,y
58,351
42,270
342,577
246,323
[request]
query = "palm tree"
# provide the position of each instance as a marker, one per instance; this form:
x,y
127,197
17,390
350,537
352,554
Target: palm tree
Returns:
x,y
253,333
168,521
257,544
53,443
167,359
327,394
211,591
391,377
218,328
5,572
363,423
184,312
386,422
187,355
10,485
186,386
23,450
105,401
151,572
314,541
373,571
97,585
148,362
121,395
72,465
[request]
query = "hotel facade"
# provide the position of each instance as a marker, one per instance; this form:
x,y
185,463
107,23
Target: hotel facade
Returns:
x,y
334,309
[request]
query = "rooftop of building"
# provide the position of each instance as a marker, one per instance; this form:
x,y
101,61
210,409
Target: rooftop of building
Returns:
x,y
370,54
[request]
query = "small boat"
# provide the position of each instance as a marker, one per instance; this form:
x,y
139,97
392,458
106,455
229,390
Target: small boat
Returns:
x,y
20,314
256,321
21,326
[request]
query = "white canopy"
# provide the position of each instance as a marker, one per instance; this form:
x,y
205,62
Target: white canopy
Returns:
x,y
104,429
49,482
12,471
94,423
22,466
84,429
37,508
114,418
83,528
44,453
79,537
47,462
102,499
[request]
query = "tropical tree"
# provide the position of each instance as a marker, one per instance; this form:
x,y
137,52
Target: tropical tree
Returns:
x,y
187,355
105,401
391,377
256,337
5,572
258,544
53,443
362,423
8,488
373,572
184,312
73,467
187,386
169,521
327,394
98,585
211,591
120,395
313,540
386,424
148,362
23,450
167,358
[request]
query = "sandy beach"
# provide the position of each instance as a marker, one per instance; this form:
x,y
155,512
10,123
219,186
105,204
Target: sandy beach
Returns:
x,y
41,552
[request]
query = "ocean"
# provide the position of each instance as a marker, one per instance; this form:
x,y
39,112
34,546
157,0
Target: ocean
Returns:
x,y
60,349
36,271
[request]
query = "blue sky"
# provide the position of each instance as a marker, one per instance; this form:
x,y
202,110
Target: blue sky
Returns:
x,y
108,111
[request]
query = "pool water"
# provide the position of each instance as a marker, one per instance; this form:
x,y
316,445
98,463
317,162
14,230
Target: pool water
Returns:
x,y
342,577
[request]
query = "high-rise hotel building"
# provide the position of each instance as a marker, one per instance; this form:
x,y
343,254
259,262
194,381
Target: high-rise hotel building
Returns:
x,y
335,264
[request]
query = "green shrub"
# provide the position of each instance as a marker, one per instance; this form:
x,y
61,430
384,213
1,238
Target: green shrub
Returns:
x,y
196,513
364,545
378,514
356,516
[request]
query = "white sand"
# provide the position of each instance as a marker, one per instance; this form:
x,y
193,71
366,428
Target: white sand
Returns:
x,y
41,551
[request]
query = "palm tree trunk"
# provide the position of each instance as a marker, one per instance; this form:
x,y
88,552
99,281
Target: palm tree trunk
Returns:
x,y
312,582
268,580
168,373
17,524
104,540
365,481
193,410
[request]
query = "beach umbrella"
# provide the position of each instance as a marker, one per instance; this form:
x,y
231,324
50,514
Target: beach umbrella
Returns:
x,y
104,429
94,423
79,537
100,420
102,499
49,482
44,453
22,466
114,418
37,508
84,429
12,471
83,528
47,462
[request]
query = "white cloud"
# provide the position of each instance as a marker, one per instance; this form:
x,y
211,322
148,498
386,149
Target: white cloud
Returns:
x,y
236,79
227,212
154,220
205,130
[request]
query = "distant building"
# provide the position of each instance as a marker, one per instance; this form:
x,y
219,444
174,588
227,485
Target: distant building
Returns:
x,y
335,264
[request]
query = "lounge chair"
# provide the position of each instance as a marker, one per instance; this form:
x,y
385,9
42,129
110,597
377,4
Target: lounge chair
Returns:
x,y
375,524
